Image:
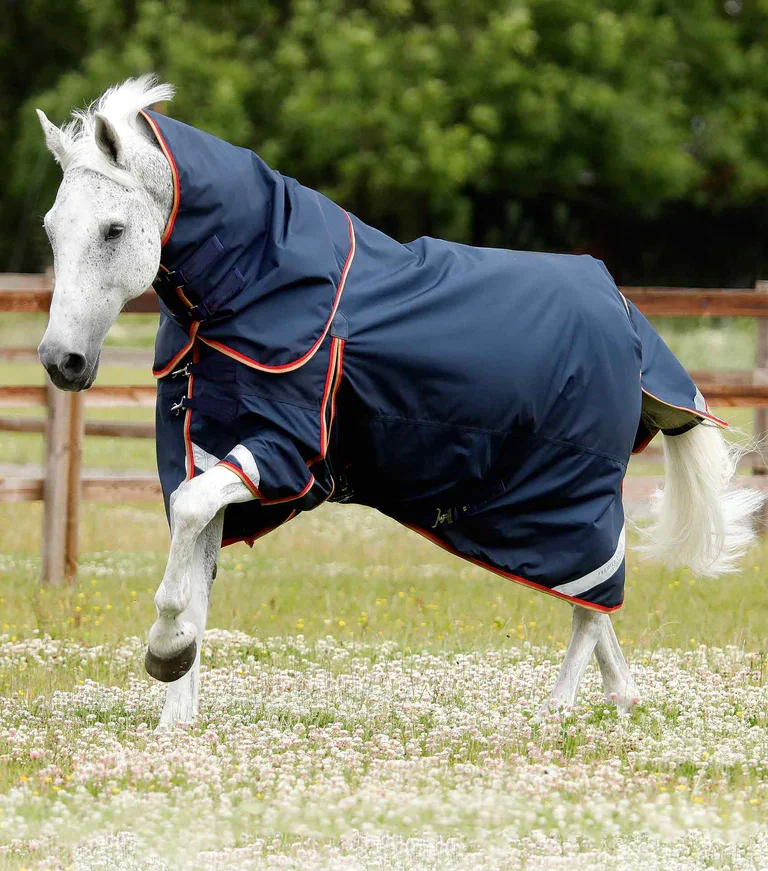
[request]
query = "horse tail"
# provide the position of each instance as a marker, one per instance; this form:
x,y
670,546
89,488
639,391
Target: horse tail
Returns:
x,y
701,519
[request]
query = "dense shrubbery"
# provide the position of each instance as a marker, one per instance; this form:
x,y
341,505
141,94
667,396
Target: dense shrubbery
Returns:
x,y
623,127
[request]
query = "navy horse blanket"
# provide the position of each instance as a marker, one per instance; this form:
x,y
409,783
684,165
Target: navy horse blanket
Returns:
x,y
488,399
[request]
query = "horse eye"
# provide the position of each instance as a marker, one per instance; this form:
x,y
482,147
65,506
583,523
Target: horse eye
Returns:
x,y
114,231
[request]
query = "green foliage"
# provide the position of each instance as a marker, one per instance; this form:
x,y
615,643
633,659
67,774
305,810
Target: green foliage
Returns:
x,y
505,122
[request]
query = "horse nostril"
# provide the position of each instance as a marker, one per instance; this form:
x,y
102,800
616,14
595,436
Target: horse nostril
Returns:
x,y
73,366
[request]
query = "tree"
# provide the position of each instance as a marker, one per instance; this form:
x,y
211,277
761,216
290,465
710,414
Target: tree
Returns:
x,y
565,124
38,39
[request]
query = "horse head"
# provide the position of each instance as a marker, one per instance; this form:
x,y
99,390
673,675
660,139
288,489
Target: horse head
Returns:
x,y
106,225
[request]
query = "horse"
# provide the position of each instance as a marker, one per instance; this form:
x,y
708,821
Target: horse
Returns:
x,y
488,399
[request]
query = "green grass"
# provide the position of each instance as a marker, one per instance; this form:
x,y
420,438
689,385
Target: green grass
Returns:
x,y
317,575
346,571
710,343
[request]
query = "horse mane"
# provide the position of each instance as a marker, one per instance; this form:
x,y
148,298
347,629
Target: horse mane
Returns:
x,y
121,105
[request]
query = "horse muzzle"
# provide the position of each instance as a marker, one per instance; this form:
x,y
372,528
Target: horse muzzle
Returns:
x,y
68,370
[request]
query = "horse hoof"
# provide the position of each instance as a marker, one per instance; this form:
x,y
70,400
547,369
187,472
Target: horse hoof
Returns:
x,y
169,670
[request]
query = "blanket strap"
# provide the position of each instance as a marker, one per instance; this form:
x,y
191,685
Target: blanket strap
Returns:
x,y
219,296
205,256
171,285
220,407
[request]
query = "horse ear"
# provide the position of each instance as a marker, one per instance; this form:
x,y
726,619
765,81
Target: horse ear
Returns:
x,y
55,138
108,139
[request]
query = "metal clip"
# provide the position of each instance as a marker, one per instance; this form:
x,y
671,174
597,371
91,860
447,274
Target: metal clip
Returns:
x,y
178,407
181,373
163,276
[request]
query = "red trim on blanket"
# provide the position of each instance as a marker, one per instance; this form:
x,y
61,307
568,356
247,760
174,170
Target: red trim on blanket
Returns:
x,y
255,490
339,375
329,376
183,297
644,444
300,361
332,383
188,449
161,373
704,415
310,485
174,173
508,575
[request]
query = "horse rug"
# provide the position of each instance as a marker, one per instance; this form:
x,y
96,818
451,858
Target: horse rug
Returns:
x,y
488,399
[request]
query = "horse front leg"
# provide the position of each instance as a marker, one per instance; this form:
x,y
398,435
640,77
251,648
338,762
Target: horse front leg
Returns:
x,y
182,598
181,696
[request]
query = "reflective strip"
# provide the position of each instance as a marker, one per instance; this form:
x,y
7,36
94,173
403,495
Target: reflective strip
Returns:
x,y
247,463
598,576
202,459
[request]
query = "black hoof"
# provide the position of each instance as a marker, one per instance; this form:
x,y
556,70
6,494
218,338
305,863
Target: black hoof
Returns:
x,y
169,670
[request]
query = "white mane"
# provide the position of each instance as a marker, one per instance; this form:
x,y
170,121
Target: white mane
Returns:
x,y
121,105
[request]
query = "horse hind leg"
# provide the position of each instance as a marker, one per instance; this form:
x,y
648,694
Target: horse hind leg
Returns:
x,y
586,634
593,632
618,683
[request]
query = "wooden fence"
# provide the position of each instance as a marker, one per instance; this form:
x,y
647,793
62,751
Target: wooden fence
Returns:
x,y
64,486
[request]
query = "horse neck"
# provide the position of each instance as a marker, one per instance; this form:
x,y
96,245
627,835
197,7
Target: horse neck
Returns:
x,y
151,167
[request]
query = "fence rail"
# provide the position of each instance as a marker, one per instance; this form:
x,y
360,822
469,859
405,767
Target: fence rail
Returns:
x,y
92,428
98,396
697,302
101,488
64,486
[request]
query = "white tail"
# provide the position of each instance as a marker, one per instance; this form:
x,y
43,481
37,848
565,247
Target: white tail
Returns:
x,y
701,520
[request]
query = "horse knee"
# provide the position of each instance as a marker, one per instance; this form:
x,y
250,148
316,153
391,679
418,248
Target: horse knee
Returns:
x,y
193,505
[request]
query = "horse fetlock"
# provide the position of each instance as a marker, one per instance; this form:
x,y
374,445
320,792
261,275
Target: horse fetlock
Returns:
x,y
168,637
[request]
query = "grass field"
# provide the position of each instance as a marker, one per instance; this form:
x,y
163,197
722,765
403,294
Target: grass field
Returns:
x,y
369,702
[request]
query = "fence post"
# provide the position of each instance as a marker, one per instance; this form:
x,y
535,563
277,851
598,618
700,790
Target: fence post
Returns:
x,y
55,485
74,483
